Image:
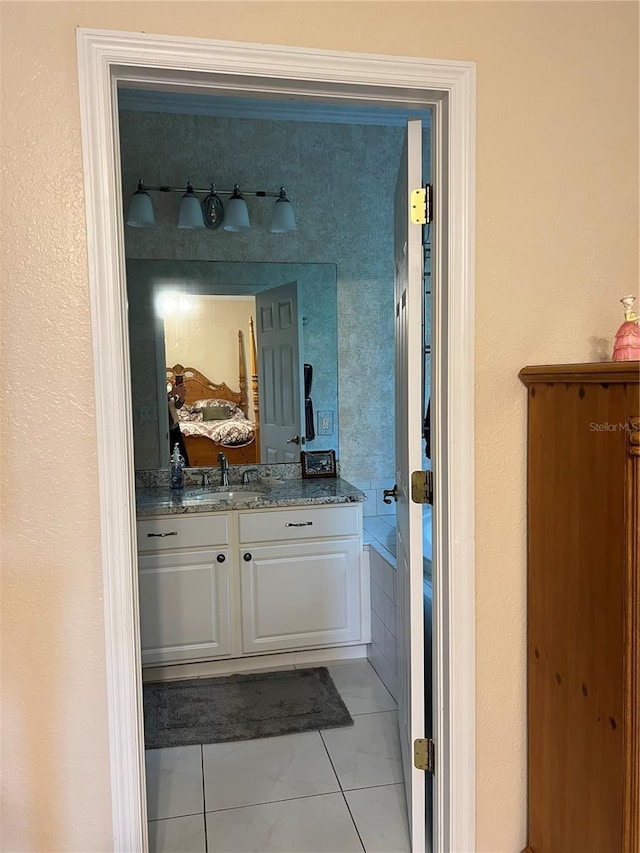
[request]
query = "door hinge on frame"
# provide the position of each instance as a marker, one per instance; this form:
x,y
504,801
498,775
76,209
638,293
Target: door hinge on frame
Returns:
x,y
422,487
424,754
422,205
419,206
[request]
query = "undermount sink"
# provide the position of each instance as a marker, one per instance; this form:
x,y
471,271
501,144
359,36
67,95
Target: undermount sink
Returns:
x,y
232,496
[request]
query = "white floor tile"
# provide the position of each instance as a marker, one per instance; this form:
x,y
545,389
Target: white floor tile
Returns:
x,y
311,825
174,781
367,754
380,815
177,835
263,771
361,689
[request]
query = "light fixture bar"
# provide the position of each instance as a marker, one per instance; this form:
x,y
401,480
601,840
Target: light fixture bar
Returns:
x,y
165,189
210,212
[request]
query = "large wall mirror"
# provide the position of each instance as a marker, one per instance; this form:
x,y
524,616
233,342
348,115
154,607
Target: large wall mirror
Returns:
x,y
201,315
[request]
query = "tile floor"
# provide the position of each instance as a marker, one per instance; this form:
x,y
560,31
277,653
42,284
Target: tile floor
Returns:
x,y
331,791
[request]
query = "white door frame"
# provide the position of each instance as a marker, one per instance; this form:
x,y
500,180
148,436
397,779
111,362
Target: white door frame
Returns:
x,y
106,57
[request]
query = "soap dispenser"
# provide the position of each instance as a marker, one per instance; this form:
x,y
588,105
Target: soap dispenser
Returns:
x,y
176,474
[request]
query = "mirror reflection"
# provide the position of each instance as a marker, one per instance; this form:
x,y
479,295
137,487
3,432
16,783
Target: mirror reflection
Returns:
x,y
246,351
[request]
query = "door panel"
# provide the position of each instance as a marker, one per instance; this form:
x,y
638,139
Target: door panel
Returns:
x,y
184,605
408,454
278,342
322,601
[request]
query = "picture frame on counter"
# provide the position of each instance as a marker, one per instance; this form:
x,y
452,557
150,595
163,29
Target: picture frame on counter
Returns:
x,y
318,463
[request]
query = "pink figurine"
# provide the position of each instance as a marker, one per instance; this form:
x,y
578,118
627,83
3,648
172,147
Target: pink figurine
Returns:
x,y
627,345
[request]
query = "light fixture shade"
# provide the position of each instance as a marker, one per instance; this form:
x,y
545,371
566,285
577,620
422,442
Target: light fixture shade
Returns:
x,y
236,214
190,214
140,213
283,216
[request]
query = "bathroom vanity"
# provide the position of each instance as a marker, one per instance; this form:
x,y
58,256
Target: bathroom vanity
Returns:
x,y
262,570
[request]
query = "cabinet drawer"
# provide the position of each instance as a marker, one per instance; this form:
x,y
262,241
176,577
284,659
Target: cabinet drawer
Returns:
x,y
172,531
290,525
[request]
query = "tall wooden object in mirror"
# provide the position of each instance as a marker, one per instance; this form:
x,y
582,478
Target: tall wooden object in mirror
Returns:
x,y
584,607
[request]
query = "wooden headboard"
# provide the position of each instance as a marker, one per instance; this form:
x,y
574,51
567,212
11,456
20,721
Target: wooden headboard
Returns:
x,y
199,387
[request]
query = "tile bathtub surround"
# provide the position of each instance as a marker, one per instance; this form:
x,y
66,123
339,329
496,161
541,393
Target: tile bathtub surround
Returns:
x,y
380,532
336,790
374,490
383,651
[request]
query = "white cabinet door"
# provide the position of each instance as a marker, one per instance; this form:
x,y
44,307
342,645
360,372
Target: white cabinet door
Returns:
x,y
184,605
301,595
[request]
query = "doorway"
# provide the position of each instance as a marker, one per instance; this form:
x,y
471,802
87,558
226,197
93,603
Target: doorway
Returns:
x,y
449,88
162,137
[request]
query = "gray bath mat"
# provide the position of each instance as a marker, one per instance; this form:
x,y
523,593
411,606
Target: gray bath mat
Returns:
x,y
241,707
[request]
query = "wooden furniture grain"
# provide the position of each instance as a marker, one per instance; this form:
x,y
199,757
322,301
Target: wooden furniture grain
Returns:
x,y
583,647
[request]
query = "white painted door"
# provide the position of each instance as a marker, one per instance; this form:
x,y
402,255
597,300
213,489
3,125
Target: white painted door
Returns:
x,y
280,371
408,456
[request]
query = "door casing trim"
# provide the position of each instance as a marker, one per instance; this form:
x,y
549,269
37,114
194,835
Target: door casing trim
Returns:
x,y
106,58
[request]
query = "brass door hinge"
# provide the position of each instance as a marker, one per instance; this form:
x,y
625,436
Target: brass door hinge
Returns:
x,y
422,205
422,487
419,206
424,754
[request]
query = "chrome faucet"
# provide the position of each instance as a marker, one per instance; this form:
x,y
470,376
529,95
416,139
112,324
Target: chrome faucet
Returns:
x,y
206,481
245,475
224,469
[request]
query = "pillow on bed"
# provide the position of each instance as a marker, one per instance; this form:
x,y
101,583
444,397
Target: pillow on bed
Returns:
x,y
226,406
215,413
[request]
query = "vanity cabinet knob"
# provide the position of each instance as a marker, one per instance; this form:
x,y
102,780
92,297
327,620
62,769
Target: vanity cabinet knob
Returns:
x,y
247,557
221,558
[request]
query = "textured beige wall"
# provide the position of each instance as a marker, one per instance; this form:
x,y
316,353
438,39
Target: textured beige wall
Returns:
x,y
557,226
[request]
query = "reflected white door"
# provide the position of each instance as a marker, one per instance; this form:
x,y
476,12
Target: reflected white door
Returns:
x,y
280,389
408,457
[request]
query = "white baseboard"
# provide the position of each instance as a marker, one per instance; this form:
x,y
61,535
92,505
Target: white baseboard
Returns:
x,y
284,660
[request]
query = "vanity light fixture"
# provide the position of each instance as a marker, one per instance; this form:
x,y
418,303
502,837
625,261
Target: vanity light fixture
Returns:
x,y
190,213
141,209
237,214
211,212
283,217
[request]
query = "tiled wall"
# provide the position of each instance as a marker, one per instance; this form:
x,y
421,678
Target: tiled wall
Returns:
x,y
374,489
383,651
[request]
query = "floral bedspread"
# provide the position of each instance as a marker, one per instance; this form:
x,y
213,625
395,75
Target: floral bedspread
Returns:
x,y
233,431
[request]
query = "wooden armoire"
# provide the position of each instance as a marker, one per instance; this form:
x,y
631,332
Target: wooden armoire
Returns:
x,y
583,582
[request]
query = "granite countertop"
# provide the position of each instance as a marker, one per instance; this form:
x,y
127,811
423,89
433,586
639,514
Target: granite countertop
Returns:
x,y
194,499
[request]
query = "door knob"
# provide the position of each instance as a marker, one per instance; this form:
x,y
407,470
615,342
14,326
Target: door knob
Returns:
x,y
388,494
294,440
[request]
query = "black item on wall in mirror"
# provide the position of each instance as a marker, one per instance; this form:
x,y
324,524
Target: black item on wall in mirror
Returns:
x,y
426,431
310,432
